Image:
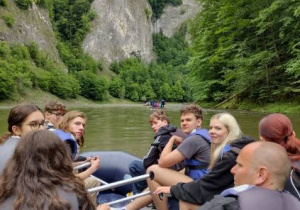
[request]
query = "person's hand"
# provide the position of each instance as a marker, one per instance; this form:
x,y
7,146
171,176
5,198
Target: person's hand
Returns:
x,y
89,158
95,162
177,140
159,190
103,206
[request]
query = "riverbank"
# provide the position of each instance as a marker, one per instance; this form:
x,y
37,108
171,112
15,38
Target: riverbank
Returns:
x,y
39,98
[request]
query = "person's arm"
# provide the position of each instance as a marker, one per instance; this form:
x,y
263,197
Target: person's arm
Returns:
x,y
168,157
95,164
202,190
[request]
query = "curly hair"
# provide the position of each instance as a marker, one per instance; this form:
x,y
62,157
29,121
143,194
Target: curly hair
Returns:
x,y
38,167
194,109
17,116
65,123
279,129
55,106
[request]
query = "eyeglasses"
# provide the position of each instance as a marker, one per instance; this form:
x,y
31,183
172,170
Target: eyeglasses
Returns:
x,y
36,125
58,115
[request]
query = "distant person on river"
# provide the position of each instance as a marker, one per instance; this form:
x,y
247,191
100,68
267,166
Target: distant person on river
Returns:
x,y
54,111
22,119
156,105
74,122
162,103
278,128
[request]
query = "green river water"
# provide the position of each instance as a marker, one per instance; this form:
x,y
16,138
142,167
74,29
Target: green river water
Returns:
x,y
127,128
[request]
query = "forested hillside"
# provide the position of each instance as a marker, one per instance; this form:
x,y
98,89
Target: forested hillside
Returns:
x,y
133,79
233,51
247,50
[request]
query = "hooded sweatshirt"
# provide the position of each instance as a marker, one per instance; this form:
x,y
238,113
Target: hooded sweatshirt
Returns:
x,y
161,137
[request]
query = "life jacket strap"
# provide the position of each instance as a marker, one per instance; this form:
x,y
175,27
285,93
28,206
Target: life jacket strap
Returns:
x,y
189,168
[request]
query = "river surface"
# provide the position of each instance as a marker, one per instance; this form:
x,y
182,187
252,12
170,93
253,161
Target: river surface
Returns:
x,y
127,128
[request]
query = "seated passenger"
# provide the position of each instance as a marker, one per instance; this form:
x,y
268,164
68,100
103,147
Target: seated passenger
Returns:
x,y
194,150
163,132
54,111
40,176
259,177
226,141
21,120
74,122
278,128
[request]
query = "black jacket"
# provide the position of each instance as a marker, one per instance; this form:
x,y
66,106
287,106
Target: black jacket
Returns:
x,y
161,137
293,183
219,178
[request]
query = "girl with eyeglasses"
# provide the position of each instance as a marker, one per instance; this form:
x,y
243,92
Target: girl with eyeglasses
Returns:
x,y
21,120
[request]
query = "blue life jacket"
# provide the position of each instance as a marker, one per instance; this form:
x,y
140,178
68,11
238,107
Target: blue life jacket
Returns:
x,y
69,139
227,148
194,168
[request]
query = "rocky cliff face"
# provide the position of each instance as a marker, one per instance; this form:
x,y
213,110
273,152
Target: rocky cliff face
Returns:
x,y
30,26
173,17
121,30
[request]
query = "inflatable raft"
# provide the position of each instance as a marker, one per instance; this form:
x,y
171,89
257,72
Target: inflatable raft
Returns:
x,y
114,167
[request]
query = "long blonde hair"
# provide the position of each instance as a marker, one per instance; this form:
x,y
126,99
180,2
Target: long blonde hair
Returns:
x,y
234,132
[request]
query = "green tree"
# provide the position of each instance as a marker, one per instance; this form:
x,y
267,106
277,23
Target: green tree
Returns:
x,y
117,88
159,5
147,91
132,92
165,92
177,92
24,4
7,84
3,3
9,20
242,48
64,86
92,86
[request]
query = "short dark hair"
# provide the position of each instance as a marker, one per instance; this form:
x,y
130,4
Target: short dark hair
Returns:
x,y
19,113
193,109
17,116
